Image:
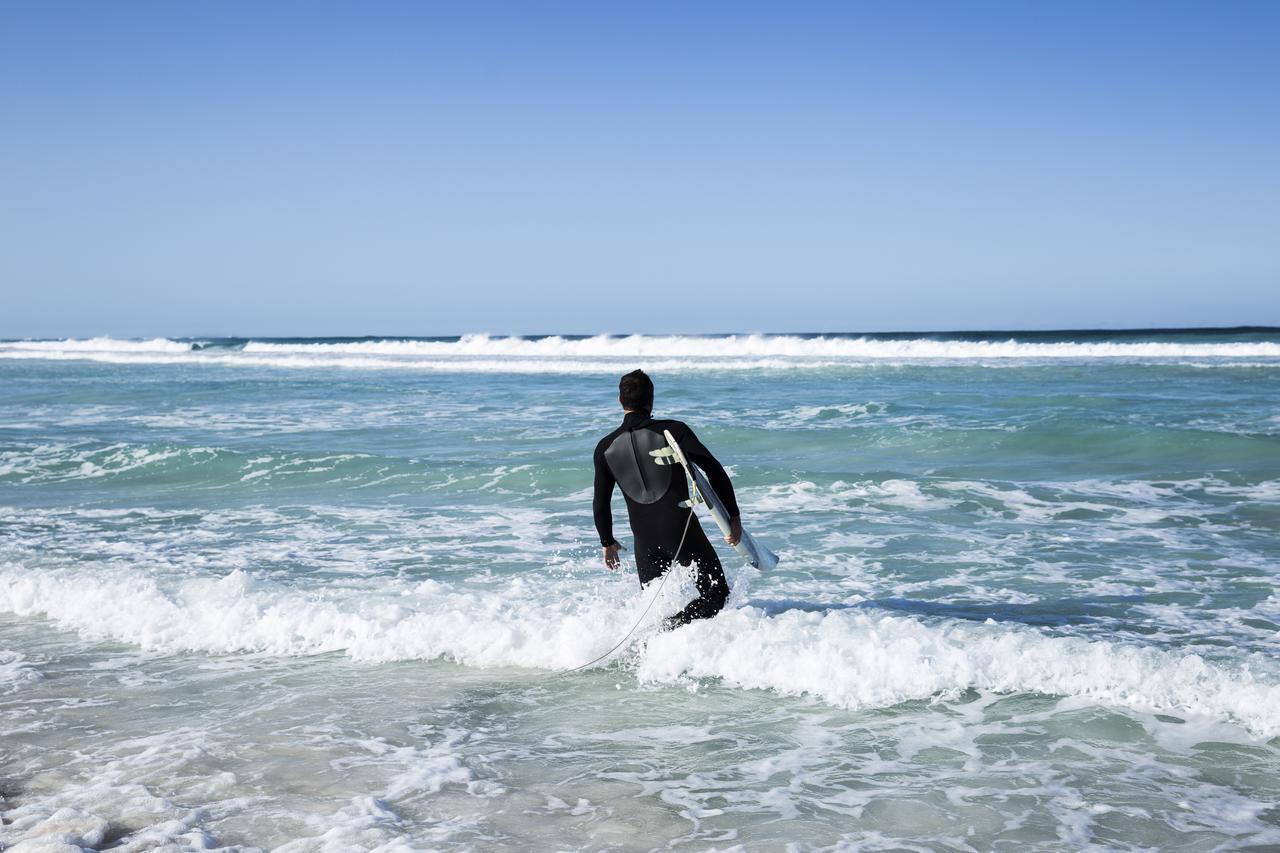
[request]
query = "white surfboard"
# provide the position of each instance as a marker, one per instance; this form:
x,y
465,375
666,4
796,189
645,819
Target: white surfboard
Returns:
x,y
700,491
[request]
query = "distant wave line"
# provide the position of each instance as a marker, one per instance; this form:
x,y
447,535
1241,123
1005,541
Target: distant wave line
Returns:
x,y
484,353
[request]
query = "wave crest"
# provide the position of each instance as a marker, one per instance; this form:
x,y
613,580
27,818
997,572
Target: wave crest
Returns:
x,y
605,353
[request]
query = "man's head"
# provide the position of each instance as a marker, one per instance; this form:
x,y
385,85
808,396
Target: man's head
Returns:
x,y
635,391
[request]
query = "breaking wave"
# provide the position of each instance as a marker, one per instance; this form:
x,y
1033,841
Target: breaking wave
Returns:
x,y
52,349
849,658
484,353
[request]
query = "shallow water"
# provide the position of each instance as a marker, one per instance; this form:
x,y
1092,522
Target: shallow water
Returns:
x,y
310,595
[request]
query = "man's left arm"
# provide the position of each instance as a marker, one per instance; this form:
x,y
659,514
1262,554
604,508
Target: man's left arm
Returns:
x,y
696,452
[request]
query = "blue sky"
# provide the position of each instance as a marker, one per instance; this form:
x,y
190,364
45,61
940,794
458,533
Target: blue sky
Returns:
x,y
419,168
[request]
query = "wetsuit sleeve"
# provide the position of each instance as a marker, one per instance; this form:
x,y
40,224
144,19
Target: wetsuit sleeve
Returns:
x,y
696,452
600,502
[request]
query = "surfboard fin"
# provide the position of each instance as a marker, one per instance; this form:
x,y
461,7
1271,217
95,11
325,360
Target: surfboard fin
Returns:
x,y
664,456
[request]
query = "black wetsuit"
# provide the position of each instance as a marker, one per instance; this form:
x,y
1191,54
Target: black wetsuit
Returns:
x,y
657,519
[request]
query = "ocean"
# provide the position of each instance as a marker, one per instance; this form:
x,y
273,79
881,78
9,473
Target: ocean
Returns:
x,y
320,595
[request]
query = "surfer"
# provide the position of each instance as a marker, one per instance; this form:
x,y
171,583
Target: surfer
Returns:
x,y
654,493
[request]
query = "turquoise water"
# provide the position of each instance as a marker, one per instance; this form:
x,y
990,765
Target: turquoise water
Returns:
x,y
315,595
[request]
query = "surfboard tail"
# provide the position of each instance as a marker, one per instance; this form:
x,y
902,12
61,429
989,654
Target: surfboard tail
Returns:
x,y
756,554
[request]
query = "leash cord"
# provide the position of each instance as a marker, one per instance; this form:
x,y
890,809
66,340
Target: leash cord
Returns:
x,y
674,561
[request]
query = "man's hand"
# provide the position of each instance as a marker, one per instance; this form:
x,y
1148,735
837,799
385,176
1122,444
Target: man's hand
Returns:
x,y
611,558
735,532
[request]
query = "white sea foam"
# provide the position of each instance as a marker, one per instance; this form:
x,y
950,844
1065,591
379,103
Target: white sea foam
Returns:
x,y
89,345
828,416
766,346
231,358
64,461
119,793
603,353
16,672
856,660
849,658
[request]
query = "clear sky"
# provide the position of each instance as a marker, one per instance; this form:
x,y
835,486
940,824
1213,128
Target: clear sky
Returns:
x,y
296,168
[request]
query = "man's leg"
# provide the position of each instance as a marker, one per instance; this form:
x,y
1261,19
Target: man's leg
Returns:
x,y
652,561
713,588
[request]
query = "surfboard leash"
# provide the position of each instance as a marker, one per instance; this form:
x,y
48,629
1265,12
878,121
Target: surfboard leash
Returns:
x,y
656,593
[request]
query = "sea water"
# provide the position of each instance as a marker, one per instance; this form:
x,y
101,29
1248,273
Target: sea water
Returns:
x,y
318,595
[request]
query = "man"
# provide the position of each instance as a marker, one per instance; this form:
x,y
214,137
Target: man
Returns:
x,y
653,493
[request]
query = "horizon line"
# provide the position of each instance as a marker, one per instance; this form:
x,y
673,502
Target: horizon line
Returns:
x,y
902,333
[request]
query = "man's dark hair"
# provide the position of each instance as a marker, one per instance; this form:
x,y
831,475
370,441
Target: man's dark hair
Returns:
x,y
635,391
